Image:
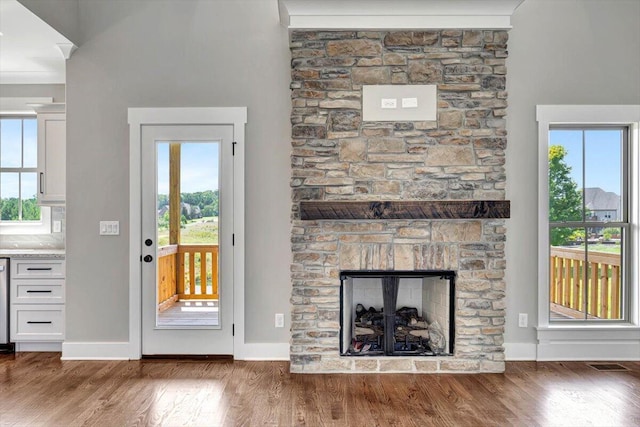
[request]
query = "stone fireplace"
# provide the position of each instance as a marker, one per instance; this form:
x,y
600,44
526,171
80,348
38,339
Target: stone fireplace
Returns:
x,y
398,196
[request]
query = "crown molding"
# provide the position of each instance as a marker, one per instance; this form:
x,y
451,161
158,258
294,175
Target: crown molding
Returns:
x,y
399,14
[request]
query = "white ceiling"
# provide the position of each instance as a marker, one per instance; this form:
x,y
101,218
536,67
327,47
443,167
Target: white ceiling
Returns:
x,y
29,51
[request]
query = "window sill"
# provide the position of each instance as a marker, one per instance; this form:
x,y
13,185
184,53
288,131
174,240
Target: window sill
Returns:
x,y
620,331
20,228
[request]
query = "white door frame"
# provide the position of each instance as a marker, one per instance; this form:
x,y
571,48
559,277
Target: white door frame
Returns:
x,y
235,116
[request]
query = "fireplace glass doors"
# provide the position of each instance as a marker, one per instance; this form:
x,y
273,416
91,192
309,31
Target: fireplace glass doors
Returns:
x,y
397,313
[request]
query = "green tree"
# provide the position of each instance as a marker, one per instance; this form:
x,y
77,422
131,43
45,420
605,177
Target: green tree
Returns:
x,y
9,209
565,199
30,209
163,200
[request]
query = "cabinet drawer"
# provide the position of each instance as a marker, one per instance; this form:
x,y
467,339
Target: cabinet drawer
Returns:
x,y
38,291
37,323
40,269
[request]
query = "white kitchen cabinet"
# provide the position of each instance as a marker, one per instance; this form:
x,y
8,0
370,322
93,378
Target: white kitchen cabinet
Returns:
x,y
52,142
37,298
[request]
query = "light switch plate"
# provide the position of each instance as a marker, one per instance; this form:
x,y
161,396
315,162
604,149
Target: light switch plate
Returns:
x,y
109,228
57,226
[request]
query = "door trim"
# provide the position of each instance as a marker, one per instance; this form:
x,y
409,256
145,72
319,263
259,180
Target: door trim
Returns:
x,y
137,117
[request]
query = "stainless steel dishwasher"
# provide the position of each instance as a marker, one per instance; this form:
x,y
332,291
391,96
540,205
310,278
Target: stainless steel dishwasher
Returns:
x,y
5,345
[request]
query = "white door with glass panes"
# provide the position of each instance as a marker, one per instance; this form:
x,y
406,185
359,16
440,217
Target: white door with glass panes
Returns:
x,y
187,237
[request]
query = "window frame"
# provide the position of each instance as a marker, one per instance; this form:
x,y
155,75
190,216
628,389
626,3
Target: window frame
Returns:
x,y
623,223
584,116
43,226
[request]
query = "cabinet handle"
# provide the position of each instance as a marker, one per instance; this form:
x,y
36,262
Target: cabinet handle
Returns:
x,y
38,322
41,182
38,292
39,268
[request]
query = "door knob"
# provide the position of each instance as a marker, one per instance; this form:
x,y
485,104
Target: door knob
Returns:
x,y
148,242
148,258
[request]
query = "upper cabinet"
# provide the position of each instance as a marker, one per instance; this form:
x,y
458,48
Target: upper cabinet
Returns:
x,y
52,136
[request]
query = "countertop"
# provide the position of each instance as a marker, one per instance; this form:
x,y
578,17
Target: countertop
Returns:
x,y
33,253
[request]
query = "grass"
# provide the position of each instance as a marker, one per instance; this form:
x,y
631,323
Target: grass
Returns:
x,y
599,247
196,231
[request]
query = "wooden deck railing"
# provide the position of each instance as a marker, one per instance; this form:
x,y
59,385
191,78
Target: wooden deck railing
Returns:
x,y
187,272
601,285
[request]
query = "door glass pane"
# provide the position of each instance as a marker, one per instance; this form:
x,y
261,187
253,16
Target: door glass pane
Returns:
x,y
187,233
565,175
11,143
9,196
29,186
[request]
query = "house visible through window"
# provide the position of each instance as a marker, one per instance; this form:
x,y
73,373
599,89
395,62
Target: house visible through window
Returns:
x,y
18,175
588,222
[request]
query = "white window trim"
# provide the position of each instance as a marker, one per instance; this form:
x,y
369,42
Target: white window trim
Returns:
x,y
620,341
28,227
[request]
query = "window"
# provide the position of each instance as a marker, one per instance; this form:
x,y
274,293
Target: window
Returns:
x,y
588,215
588,222
19,210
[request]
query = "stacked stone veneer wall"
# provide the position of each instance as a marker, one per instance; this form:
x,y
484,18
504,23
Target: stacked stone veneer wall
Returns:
x,y
337,156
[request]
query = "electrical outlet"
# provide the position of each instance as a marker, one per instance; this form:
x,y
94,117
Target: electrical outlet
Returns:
x,y
279,320
388,103
57,226
523,320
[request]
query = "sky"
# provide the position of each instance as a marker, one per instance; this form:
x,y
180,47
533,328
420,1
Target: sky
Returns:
x,y
602,156
199,166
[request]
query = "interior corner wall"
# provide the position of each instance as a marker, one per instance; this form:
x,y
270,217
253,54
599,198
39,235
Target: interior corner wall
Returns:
x,y
173,54
55,91
560,52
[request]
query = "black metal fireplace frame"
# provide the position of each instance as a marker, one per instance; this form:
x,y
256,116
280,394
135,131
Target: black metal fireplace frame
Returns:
x,y
395,275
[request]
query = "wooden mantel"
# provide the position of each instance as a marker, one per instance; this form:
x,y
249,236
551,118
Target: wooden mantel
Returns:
x,y
401,209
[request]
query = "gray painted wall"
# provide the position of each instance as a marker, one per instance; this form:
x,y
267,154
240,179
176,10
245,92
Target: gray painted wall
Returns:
x,y
55,91
232,53
560,52
173,54
62,15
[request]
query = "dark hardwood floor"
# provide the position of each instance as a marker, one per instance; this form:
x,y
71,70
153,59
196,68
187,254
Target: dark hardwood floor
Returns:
x,y
37,389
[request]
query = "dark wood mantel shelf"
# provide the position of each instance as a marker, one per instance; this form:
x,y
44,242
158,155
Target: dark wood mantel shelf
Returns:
x,y
401,209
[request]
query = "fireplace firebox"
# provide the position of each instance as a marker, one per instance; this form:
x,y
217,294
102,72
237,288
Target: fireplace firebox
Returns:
x,y
397,313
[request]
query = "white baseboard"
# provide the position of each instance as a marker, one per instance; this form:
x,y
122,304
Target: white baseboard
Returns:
x,y
519,351
95,351
263,351
39,346
121,351
581,351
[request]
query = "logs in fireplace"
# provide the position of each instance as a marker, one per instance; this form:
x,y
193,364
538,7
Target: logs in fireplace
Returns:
x,y
397,313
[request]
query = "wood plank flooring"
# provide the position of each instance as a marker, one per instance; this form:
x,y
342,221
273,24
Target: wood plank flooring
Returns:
x,y
37,389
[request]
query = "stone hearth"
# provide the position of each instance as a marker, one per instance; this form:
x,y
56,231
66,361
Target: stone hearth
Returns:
x,y
337,157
